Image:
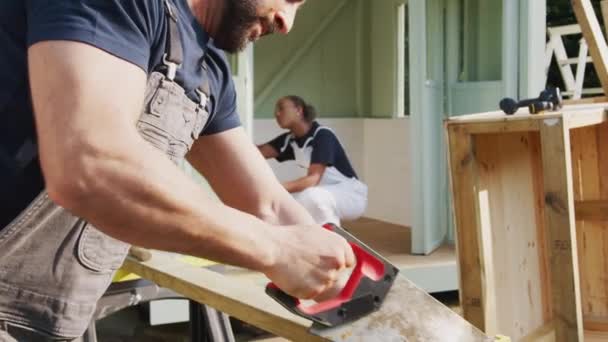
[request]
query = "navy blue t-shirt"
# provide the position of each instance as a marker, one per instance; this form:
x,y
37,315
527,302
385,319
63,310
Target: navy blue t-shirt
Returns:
x,y
133,30
326,149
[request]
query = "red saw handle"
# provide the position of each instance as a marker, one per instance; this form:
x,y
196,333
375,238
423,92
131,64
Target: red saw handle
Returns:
x,y
363,293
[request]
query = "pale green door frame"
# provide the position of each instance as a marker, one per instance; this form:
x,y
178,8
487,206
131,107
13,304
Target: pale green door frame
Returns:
x,y
521,75
428,193
532,42
524,35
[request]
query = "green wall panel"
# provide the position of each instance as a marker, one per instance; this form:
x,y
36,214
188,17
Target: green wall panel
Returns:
x,y
330,73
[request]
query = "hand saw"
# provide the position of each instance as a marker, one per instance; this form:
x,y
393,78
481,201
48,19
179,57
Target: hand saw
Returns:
x,y
379,305
363,293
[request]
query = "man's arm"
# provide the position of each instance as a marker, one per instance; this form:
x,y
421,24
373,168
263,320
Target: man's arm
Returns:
x,y
243,180
312,178
268,152
97,166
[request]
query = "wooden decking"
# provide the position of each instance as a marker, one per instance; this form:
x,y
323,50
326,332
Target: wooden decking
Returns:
x,y
436,272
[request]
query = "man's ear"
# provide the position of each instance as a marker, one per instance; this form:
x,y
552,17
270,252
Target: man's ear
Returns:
x,y
300,111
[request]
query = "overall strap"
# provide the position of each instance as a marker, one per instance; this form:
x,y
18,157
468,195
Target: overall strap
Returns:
x,y
17,161
320,128
174,54
204,90
315,134
288,139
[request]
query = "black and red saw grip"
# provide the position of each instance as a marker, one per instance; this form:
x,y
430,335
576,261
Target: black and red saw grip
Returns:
x,y
363,293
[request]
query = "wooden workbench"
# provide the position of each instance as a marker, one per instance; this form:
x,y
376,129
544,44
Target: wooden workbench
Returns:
x,y
530,207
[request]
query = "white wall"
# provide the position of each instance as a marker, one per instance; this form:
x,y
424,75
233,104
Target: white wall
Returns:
x,y
379,152
387,169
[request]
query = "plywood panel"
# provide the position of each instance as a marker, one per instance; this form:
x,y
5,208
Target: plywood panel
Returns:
x,y
506,185
588,166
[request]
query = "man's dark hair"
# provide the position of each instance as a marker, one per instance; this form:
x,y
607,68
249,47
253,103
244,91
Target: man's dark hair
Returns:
x,y
310,113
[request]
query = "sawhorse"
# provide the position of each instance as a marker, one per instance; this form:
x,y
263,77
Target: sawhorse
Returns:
x,y
206,323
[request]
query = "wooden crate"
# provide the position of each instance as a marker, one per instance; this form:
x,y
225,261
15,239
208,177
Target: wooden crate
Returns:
x,y
531,214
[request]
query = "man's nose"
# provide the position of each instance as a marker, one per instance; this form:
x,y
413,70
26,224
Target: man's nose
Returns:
x,y
284,19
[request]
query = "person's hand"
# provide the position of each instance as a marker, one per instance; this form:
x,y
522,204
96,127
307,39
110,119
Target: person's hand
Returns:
x,y
309,261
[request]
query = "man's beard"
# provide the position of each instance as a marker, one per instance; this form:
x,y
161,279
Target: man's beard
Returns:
x,y
238,18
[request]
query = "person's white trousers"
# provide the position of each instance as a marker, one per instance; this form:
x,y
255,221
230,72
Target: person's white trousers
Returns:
x,y
330,203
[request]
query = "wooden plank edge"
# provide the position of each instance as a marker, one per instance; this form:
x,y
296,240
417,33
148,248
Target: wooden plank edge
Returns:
x,y
543,333
561,231
220,292
589,100
461,166
599,326
590,27
580,119
591,210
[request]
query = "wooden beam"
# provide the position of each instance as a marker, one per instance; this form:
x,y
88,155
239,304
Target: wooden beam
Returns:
x,y
589,100
585,118
592,210
604,5
561,230
244,301
407,314
546,333
506,126
596,326
592,33
466,218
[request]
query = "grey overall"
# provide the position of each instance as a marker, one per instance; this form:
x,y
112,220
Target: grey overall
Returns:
x,y
55,266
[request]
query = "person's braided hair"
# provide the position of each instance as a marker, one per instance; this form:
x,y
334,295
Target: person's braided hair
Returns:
x,y
310,113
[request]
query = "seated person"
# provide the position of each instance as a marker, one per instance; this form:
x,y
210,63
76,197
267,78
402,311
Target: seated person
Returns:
x,y
331,190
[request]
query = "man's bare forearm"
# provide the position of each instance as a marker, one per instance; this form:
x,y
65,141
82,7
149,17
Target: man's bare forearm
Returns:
x,y
288,211
140,197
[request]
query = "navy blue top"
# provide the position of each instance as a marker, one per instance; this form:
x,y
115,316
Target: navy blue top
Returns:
x,y
326,149
132,30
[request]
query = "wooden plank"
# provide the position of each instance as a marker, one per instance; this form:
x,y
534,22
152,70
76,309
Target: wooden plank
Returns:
x,y
487,234
242,299
546,333
592,210
503,126
592,108
594,336
561,230
407,314
592,33
507,205
541,226
604,6
597,99
584,119
591,234
462,176
596,326
602,251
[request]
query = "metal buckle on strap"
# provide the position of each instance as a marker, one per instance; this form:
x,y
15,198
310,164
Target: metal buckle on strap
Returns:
x,y
204,98
19,160
169,9
171,68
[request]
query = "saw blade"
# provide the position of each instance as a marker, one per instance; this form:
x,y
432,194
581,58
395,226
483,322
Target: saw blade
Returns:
x,y
407,314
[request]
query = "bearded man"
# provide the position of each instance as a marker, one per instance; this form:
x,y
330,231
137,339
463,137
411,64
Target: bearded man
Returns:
x,y
99,100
